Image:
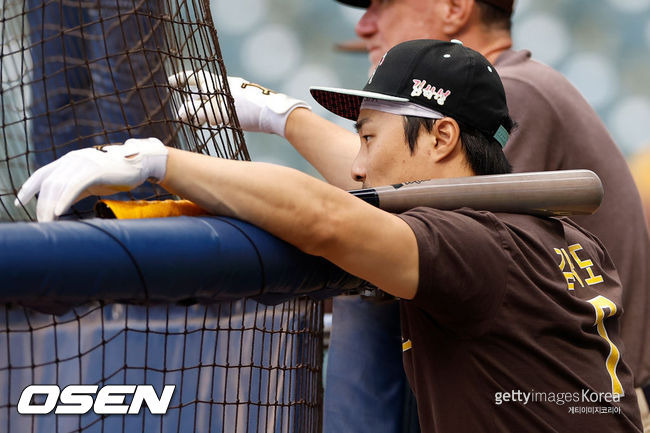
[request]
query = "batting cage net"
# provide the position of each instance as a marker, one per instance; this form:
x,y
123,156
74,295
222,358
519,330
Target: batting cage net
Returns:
x,y
235,367
78,73
81,73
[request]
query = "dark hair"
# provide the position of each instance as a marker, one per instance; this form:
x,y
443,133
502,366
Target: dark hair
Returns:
x,y
493,17
484,155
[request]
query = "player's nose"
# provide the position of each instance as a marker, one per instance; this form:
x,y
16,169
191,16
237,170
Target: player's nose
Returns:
x,y
367,25
358,171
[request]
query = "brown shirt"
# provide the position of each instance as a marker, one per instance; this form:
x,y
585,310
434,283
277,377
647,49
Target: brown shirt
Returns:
x,y
514,326
559,130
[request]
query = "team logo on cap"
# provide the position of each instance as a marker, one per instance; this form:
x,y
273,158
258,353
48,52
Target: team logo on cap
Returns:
x,y
421,88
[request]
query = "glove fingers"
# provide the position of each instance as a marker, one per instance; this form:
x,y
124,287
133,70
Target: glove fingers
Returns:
x,y
190,110
44,211
212,111
69,192
182,114
206,82
179,79
188,114
199,79
199,112
50,192
33,184
203,80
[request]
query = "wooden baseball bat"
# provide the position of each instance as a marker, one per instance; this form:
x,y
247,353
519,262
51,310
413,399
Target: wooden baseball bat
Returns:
x,y
544,193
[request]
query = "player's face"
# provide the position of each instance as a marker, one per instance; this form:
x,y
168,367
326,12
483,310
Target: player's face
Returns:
x,y
384,157
386,23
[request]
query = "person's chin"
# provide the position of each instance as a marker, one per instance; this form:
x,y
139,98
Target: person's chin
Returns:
x,y
374,54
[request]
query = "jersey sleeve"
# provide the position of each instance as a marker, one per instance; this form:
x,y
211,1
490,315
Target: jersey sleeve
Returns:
x,y
463,267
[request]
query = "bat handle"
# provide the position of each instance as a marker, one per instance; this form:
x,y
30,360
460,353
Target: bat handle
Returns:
x,y
369,195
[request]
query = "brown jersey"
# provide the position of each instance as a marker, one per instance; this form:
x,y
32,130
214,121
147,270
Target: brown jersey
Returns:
x,y
514,327
559,130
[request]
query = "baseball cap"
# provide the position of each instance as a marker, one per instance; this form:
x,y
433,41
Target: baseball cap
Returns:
x,y
436,76
505,5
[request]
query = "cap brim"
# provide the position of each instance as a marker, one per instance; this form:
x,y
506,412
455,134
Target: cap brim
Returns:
x,y
346,102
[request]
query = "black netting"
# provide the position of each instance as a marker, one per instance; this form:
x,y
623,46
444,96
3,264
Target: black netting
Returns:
x,y
81,73
237,367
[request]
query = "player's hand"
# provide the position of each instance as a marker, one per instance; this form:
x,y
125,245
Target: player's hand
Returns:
x,y
102,170
258,109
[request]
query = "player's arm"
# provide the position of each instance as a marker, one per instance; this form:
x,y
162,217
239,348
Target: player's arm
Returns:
x,y
330,148
312,215
316,217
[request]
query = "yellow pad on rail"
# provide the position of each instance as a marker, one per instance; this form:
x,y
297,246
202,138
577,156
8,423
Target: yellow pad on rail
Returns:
x,y
134,209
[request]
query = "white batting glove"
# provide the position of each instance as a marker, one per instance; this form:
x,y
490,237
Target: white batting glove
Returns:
x,y
102,170
258,109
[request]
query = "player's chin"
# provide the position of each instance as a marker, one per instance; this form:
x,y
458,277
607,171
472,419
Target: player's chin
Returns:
x,y
374,55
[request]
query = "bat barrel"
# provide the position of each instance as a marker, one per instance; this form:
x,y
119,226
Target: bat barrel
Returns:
x,y
549,193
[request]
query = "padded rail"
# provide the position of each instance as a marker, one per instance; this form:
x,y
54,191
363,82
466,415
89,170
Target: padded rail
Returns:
x,y
181,259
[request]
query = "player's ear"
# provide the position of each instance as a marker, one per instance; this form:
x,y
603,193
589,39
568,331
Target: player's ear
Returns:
x,y
456,15
446,139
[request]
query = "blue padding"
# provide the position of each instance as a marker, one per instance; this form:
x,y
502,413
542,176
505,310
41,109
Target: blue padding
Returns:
x,y
157,260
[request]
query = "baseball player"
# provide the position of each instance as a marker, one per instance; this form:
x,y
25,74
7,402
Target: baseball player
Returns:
x,y
558,130
510,322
